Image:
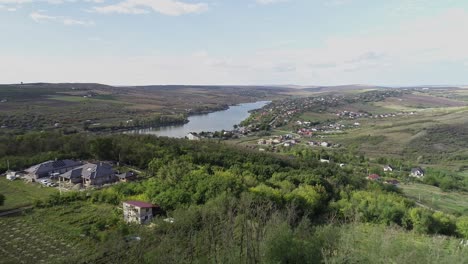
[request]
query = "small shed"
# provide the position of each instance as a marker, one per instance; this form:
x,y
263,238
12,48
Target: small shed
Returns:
x,y
127,176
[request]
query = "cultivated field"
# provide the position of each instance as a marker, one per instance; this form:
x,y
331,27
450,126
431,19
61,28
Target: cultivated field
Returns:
x,y
433,197
73,233
22,242
430,135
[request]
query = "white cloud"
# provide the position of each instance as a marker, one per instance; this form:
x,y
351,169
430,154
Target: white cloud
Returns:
x,y
337,2
20,2
41,17
166,7
71,22
267,2
15,2
38,17
9,9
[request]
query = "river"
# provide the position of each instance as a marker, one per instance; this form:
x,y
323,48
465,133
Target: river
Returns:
x,y
216,121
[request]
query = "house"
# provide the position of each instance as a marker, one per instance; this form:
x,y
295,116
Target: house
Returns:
x,y
139,212
98,174
90,174
192,136
417,172
73,176
387,168
45,169
392,182
325,144
373,177
127,176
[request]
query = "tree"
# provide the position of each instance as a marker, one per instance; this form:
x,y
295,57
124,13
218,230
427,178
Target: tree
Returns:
x,y
2,199
421,219
102,148
443,224
462,226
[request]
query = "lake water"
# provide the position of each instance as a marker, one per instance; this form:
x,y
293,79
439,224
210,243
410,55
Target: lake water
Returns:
x,y
216,121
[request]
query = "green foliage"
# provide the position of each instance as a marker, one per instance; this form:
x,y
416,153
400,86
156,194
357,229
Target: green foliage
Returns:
x,y
374,207
308,198
421,220
443,224
462,226
232,205
360,243
444,179
2,199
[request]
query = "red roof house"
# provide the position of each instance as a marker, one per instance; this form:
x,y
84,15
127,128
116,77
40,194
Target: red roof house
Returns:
x,y
373,177
139,212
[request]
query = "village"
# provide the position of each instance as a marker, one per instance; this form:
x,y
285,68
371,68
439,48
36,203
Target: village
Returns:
x,y
287,114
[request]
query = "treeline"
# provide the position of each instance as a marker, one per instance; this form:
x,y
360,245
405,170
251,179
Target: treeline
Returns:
x,y
145,122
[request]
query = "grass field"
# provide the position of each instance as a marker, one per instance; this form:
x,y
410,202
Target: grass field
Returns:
x,y
314,117
433,197
81,99
427,132
20,194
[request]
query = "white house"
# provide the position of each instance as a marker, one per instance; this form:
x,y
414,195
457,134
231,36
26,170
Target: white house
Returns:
x,y
388,168
192,136
417,172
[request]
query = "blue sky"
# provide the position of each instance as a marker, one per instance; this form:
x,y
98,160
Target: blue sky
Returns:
x,y
304,42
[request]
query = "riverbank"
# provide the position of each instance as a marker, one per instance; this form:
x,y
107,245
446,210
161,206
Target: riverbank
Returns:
x,y
214,121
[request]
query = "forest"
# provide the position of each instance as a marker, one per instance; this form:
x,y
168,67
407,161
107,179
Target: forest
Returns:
x,y
235,205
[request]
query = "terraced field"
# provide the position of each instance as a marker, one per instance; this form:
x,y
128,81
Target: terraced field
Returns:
x,y
22,242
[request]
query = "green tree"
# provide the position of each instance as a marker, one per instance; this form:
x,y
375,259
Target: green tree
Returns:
x,y
462,226
102,148
2,199
421,219
443,224
308,198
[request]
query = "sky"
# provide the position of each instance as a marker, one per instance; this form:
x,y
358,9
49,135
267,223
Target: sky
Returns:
x,y
235,42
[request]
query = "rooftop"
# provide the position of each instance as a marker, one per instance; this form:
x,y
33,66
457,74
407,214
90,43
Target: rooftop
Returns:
x,y
140,204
